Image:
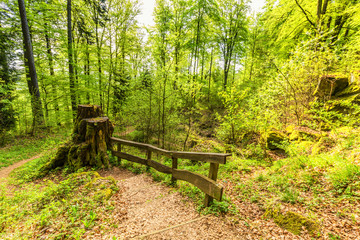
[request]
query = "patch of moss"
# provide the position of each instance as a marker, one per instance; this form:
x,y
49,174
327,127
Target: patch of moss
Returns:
x,y
295,135
274,139
322,145
104,187
304,147
293,222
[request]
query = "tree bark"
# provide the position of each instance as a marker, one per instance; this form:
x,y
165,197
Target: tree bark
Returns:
x,y
38,117
52,74
90,141
70,58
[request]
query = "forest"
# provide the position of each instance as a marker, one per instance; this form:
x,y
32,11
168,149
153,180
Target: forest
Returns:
x,y
277,91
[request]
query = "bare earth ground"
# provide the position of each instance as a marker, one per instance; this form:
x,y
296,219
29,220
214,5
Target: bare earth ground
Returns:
x,y
155,211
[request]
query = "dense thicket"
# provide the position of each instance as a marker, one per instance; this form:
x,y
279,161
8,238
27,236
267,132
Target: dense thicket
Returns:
x,y
205,66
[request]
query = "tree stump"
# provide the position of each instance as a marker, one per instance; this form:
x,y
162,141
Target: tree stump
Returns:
x,y
89,143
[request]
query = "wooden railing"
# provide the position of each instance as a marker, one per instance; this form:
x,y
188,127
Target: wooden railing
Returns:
x,y
206,184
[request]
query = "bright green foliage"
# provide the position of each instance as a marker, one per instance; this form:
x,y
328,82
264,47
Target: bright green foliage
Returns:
x,y
29,147
233,124
69,207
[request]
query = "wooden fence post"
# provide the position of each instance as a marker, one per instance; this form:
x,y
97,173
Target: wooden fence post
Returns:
x,y
174,166
119,150
148,157
214,167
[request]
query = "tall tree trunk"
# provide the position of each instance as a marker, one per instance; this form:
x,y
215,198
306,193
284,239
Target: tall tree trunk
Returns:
x,y
76,83
163,112
71,63
52,74
38,117
110,74
210,73
98,47
87,71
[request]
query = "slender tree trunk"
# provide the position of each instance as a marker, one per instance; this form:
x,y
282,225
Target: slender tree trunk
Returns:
x,y
99,64
52,74
76,83
210,73
38,117
71,63
163,112
87,72
149,118
110,75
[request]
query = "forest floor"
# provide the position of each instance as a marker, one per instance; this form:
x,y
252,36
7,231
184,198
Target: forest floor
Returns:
x,y
146,209
151,210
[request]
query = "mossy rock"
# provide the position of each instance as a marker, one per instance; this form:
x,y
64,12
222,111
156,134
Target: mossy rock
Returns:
x,y
274,139
345,107
306,146
352,89
322,145
330,85
293,222
303,135
295,136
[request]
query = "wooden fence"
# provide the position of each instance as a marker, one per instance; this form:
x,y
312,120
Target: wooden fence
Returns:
x,y
206,184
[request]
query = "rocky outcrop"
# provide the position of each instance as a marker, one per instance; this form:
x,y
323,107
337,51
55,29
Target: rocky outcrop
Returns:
x,y
330,85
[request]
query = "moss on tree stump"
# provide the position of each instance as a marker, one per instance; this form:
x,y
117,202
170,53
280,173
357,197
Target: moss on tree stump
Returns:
x,y
89,143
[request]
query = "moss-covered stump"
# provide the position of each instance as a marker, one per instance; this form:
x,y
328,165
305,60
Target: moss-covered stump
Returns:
x,y
89,144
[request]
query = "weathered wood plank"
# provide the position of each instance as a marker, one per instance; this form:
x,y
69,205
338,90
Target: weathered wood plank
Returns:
x,y
196,156
160,151
159,167
205,184
130,157
203,157
130,143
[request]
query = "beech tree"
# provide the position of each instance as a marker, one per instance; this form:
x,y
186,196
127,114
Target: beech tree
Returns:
x,y
231,32
38,117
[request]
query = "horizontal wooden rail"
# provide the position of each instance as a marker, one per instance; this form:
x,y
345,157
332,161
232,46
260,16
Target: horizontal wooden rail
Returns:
x,y
206,184
195,156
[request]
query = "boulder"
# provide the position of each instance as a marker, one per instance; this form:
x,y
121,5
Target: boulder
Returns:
x,y
274,139
330,85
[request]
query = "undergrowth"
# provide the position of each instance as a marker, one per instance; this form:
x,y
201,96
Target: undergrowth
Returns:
x,y
58,210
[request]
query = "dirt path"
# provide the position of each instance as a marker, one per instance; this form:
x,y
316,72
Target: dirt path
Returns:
x,y
4,172
155,211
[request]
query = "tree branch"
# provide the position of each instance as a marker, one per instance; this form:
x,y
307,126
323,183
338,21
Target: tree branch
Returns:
x,y
307,17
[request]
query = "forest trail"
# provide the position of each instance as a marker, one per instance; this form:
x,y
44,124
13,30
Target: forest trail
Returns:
x,y
155,211
149,210
5,172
